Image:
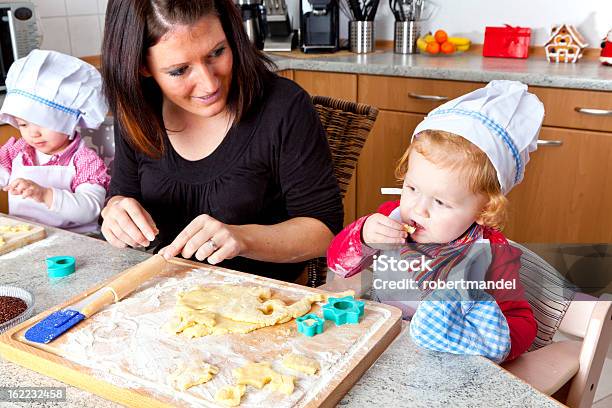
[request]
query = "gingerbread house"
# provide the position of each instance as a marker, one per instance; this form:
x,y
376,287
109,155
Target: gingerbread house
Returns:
x,y
565,44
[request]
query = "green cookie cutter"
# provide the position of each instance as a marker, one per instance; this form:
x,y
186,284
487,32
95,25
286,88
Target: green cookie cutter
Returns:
x,y
60,266
310,330
343,310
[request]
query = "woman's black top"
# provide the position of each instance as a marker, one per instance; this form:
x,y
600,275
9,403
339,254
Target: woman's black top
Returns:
x,y
272,166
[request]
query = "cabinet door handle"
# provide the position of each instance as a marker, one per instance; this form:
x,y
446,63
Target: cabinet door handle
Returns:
x,y
551,143
591,111
390,191
428,97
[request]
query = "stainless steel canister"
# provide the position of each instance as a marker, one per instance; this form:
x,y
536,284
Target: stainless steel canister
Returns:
x,y
361,36
405,38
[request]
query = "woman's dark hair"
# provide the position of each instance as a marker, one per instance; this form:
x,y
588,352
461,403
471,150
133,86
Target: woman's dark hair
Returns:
x,y
132,26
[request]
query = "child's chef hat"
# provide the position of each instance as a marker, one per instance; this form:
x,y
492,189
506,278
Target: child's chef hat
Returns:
x,y
502,119
54,91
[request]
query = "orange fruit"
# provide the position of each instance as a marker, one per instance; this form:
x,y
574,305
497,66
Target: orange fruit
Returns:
x,y
433,48
447,47
441,36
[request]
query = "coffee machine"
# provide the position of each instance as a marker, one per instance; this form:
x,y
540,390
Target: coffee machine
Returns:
x,y
254,20
280,34
319,25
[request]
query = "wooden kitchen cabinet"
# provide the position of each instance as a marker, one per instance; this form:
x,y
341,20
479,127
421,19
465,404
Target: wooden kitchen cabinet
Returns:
x,y
6,132
410,94
577,109
376,167
566,195
342,86
286,73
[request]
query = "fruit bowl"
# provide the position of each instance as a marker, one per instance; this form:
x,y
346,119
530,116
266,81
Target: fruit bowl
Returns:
x,y
441,45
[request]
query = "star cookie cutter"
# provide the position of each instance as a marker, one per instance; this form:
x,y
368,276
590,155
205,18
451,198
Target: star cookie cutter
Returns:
x,y
310,329
343,310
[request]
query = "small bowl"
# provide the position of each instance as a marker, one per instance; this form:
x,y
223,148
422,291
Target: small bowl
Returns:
x,y
22,294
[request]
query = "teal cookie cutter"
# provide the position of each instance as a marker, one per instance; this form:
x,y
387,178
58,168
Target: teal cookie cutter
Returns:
x,y
343,310
60,266
307,329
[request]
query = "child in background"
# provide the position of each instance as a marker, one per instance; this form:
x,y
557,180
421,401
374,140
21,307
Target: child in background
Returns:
x,y
49,173
464,158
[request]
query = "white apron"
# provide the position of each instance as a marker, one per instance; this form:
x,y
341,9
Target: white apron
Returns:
x,y
59,177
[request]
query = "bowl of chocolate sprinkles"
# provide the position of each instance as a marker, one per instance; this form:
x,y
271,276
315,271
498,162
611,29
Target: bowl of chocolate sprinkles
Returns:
x,y
16,305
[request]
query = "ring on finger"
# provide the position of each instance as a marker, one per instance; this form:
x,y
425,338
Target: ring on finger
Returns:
x,y
212,245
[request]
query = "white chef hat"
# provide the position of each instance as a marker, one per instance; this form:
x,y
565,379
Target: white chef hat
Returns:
x,y
54,91
502,119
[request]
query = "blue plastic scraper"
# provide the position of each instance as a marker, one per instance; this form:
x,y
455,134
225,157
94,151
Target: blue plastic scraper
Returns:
x,y
61,321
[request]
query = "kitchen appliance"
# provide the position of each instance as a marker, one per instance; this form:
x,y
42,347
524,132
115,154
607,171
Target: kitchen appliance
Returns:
x,y
20,33
254,20
280,34
319,25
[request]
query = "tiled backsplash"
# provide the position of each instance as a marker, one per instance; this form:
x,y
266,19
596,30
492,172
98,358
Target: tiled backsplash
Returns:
x,y
72,26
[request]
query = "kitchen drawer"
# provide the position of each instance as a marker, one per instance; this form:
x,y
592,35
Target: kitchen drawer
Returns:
x,y
410,94
332,84
562,107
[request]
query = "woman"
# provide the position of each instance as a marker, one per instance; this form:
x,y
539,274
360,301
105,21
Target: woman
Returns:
x,y
216,157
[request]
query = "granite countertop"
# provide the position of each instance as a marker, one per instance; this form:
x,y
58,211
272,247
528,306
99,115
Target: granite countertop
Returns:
x,y
402,376
586,74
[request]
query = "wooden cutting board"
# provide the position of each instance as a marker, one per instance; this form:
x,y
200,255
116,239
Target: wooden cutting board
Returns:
x,y
14,240
121,353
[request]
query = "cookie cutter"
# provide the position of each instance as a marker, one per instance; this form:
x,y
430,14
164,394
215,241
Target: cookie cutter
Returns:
x,y
343,310
310,330
60,266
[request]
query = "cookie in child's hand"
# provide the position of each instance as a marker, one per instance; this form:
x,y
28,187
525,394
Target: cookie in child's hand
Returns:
x,y
409,228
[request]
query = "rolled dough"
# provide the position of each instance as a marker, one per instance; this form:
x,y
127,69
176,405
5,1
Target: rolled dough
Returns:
x,y
203,311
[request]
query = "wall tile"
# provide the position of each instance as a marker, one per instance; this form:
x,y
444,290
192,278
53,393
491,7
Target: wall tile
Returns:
x,y
80,7
102,6
85,35
50,8
55,34
101,18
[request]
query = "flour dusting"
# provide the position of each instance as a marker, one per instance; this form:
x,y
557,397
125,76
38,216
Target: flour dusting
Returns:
x,y
125,344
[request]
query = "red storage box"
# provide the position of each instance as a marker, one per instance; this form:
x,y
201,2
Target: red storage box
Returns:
x,y
506,42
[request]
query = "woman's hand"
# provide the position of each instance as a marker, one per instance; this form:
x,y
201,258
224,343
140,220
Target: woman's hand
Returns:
x,y
208,239
29,189
380,229
126,222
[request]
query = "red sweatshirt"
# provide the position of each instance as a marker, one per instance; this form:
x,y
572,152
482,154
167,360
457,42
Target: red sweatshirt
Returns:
x,y
347,256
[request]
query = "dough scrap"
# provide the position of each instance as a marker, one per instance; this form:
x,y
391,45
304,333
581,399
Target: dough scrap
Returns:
x,y
15,228
260,374
301,363
230,395
187,376
255,374
215,310
282,383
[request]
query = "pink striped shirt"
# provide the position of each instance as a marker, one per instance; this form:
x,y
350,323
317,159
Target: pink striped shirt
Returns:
x,y
89,166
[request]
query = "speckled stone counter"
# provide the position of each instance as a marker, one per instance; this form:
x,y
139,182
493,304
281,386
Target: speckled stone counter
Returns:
x,y
402,376
586,74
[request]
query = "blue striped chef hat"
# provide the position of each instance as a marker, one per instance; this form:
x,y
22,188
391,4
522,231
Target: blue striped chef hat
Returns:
x,y
502,119
54,91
